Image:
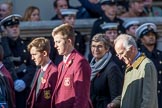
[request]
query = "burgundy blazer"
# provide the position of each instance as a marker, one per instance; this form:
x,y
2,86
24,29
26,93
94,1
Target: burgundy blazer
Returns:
x,y
7,74
46,88
73,84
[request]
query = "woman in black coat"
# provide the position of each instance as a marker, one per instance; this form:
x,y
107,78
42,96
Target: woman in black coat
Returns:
x,y
106,77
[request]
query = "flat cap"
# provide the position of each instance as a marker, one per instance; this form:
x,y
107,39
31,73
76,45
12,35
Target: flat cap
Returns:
x,y
108,26
144,29
129,23
68,11
109,2
11,20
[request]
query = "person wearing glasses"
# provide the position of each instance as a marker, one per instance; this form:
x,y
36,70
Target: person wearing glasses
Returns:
x,y
140,80
106,77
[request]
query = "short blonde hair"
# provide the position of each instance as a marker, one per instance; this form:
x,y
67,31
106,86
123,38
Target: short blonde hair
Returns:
x,y
66,30
41,44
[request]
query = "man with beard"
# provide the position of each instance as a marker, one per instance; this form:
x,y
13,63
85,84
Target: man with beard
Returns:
x,y
147,35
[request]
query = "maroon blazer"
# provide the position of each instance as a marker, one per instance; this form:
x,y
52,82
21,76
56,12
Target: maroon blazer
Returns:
x,y
73,84
46,88
7,74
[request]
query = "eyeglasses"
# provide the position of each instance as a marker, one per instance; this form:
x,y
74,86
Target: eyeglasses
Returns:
x,y
122,54
97,47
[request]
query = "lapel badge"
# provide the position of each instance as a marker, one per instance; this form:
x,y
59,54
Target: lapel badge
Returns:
x,y
43,80
47,94
69,63
67,81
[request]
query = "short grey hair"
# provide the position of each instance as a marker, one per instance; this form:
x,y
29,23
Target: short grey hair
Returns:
x,y
127,40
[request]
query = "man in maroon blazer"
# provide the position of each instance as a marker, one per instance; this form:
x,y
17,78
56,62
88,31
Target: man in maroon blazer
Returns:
x,y
9,81
73,83
45,78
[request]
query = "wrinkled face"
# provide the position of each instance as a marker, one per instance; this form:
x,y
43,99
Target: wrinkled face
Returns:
x,y
61,4
112,34
13,31
138,7
131,31
61,44
126,55
98,50
35,16
4,11
70,19
37,56
110,9
149,39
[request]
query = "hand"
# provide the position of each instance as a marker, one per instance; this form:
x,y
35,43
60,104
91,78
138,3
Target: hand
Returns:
x,y
111,105
19,85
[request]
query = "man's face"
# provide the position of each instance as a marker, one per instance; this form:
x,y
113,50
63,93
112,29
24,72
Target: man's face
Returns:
x,y
149,39
61,4
61,44
112,34
124,54
37,56
137,6
4,11
110,9
70,19
13,31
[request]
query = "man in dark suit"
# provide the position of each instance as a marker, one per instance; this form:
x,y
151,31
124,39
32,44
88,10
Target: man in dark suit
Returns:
x,y
17,59
45,79
73,83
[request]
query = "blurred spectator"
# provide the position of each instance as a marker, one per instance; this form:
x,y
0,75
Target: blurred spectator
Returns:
x,y
130,27
111,31
93,7
110,9
135,9
17,59
147,34
57,5
32,13
5,9
69,16
151,10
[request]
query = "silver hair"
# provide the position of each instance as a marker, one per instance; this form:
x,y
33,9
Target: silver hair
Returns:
x,y
127,40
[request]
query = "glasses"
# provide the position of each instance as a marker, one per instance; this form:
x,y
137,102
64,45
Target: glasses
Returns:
x,y
122,54
97,47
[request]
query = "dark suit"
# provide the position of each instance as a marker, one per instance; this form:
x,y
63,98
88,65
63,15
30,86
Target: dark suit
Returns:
x,y
73,84
23,68
47,86
106,85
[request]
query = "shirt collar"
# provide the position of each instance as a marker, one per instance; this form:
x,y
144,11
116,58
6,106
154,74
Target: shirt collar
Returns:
x,y
45,67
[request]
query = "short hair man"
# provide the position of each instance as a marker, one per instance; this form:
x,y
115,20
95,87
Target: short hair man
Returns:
x,y
45,79
17,59
74,72
140,80
57,5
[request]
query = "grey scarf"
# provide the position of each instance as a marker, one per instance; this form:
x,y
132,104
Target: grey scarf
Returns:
x,y
96,67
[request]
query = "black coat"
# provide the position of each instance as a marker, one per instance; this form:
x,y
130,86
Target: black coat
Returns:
x,y
106,85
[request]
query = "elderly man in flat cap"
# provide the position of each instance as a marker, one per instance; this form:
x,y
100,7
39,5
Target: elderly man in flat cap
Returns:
x,y
147,34
16,58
